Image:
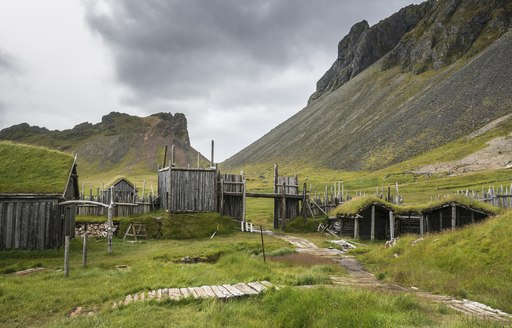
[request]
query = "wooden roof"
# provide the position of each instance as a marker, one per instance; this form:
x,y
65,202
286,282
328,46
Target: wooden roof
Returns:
x,y
28,169
118,179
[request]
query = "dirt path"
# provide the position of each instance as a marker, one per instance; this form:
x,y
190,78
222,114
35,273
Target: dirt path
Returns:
x,y
359,277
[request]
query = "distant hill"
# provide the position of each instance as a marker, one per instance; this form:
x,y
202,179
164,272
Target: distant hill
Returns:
x,y
421,78
121,144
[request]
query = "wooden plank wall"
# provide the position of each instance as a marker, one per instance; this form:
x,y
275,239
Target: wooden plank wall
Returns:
x,y
291,188
193,190
231,205
163,187
34,224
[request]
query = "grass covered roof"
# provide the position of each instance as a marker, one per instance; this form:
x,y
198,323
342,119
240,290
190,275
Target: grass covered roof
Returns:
x,y
357,204
34,170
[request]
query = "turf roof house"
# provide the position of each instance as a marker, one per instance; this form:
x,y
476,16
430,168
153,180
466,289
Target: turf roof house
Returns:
x,y
33,181
372,218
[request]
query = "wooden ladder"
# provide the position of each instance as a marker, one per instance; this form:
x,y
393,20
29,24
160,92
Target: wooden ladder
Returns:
x,y
136,230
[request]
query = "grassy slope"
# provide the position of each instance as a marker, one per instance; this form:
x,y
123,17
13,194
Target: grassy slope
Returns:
x,y
29,169
473,262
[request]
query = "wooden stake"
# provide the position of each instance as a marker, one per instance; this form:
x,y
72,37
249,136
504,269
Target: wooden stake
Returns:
x,y
454,216
66,256
213,151
283,218
262,244
84,248
173,157
109,224
391,226
356,228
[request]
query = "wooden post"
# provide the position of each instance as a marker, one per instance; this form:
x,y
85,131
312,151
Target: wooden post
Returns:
x,y
109,225
165,156
221,205
454,216
262,244
391,226
276,202
472,216
356,228
84,248
304,200
213,151
283,217
372,231
422,223
173,157
243,198
440,220
427,227
66,256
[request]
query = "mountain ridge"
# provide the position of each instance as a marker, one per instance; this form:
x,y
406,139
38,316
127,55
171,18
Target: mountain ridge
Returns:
x,y
389,113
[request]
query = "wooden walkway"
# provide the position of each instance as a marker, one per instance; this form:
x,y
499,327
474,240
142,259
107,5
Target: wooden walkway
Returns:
x,y
218,291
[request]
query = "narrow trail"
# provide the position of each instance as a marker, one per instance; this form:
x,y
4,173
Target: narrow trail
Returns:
x,y
359,277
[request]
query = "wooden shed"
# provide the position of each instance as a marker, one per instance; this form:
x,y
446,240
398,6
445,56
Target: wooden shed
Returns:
x,y
33,181
124,190
365,218
451,215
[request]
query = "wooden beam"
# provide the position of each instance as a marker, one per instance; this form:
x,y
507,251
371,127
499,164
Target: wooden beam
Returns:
x,y
356,228
391,226
372,231
422,225
454,216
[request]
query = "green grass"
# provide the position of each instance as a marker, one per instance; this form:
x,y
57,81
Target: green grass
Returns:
x,y
46,297
473,262
30,169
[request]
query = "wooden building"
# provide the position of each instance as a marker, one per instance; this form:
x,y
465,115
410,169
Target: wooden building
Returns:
x,y
33,181
372,218
124,191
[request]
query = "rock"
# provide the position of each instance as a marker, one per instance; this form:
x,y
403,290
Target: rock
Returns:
x,y
364,45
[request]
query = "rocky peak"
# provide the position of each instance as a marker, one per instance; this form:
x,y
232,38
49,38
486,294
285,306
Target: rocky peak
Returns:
x,y
452,29
364,45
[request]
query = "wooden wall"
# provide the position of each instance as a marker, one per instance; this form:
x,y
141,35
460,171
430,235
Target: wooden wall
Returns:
x,y
231,205
188,190
34,223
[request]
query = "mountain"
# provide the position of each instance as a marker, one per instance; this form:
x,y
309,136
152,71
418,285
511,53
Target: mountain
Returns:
x,y
384,101
120,143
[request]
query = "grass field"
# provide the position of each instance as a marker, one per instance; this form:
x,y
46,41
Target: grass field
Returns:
x,y
47,298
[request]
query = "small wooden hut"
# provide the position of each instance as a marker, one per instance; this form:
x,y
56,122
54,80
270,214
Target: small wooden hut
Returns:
x,y
124,191
33,181
365,218
453,214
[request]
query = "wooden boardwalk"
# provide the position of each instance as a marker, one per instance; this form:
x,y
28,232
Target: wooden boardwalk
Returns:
x,y
218,291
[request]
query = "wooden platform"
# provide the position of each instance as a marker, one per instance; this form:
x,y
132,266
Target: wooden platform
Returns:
x,y
219,291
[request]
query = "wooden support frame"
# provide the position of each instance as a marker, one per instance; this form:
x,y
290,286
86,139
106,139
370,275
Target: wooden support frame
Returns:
x,y
372,231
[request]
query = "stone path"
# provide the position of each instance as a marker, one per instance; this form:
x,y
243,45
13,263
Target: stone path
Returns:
x,y
218,291
359,277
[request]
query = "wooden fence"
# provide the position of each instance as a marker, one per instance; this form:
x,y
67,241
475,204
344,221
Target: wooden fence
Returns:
x,y
137,205
500,197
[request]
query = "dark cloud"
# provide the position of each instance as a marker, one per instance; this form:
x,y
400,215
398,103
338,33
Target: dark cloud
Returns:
x,y
178,49
226,56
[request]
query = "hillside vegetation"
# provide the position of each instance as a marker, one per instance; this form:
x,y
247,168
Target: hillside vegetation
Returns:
x,y
473,262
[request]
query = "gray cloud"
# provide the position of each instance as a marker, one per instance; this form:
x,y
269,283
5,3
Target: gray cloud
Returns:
x,y
8,64
224,55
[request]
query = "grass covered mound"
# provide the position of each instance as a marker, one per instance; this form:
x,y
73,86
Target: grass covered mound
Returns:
x,y
473,262
161,225
30,169
298,225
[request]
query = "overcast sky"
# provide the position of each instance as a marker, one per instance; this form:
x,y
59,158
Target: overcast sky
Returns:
x,y
235,68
